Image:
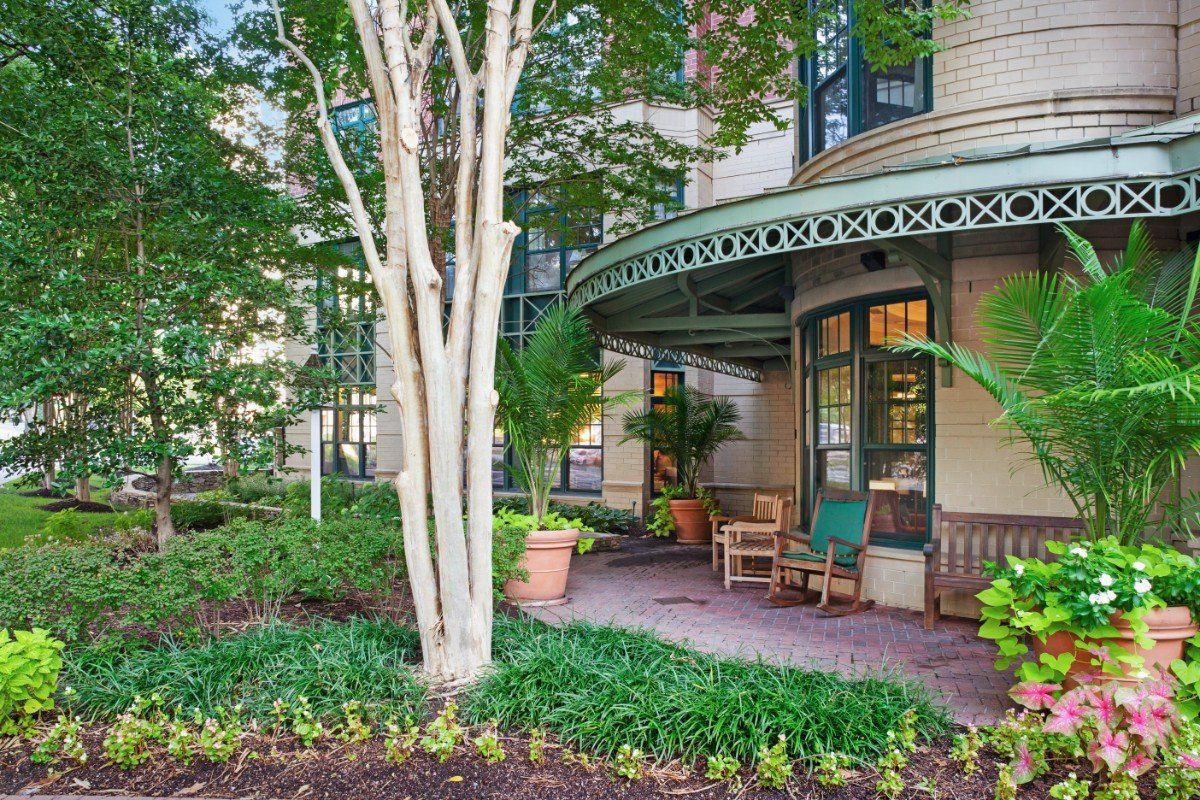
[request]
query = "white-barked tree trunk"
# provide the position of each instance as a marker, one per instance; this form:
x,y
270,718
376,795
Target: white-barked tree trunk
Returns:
x,y
444,375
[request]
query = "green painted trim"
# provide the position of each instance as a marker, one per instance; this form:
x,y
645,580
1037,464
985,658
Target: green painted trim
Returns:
x,y
1131,168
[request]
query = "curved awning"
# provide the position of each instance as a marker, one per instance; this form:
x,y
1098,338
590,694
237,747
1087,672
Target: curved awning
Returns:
x,y
711,288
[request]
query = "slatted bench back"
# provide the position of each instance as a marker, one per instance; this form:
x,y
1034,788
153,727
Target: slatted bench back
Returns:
x,y
964,541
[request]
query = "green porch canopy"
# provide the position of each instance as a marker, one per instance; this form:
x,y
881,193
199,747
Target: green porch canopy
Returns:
x,y
712,288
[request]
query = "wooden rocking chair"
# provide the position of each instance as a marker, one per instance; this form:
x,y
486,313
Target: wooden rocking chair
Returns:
x,y
836,547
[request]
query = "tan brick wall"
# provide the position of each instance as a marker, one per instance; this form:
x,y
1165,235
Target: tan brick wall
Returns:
x,y
765,459
1022,71
1189,57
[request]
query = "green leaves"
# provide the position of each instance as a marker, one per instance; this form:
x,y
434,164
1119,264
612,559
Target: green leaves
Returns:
x,y
29,666
549,391
1099,375
687,426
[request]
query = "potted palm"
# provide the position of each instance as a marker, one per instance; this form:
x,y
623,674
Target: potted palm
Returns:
x,y
688,427
1096,375
548,390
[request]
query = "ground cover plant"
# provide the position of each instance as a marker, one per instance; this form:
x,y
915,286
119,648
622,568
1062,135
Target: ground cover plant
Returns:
x,y
370,662
22,516
601,688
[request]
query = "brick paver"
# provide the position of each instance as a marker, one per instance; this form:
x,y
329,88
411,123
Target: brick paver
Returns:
x,y
673,590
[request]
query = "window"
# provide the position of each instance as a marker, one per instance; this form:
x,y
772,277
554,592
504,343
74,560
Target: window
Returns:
x,y
550,245
845,95
663,376
869,413
346,341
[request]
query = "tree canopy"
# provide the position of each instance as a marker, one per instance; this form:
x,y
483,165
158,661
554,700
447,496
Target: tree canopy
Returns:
x,y
149,261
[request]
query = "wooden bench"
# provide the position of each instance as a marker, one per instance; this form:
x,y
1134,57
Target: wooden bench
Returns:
x,y
962,542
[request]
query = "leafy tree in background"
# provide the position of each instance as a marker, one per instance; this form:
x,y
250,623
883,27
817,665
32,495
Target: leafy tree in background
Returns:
x,y
147,248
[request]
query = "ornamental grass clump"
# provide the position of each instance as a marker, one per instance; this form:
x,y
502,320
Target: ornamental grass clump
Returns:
x,y
599,687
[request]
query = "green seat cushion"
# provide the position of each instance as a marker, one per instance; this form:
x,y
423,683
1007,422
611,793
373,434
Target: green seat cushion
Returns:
x,y
838,518
846,562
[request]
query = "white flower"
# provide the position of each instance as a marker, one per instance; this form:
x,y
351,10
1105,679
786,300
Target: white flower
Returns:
x,y
1139,566
1019,569
1141,585
1106,580
1109,596
1078,551
1094,599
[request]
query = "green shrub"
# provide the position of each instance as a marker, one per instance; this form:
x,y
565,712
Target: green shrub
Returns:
x,y
508,548
204,515
64,526
376,501
29,665
267,562
330,664
337,495
133,520
602,687
258,488
93,592
63,588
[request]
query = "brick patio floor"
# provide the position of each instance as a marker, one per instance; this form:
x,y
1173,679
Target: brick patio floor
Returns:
x,y
673,590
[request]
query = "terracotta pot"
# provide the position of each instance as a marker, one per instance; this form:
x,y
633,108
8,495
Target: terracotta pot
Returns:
x,y
692,525
1170,628
547,560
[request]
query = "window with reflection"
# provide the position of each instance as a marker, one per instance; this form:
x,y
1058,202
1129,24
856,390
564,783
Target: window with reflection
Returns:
x,y
846,95
663,376
868,415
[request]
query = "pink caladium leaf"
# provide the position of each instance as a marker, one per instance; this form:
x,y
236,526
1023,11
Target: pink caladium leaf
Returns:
x,y
1142,724
1189,760
1138,764
1102,654
1068,714
1034,695
1022,763
1108,749
1104,706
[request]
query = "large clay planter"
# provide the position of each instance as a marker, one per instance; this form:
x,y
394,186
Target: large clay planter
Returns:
x,y
1170,628
692,525
547,560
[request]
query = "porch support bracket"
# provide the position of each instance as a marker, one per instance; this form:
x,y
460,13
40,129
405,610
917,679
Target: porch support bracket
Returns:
x,y
935,269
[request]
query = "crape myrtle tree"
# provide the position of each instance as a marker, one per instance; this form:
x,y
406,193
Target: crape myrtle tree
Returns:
x,y
474,100
147,248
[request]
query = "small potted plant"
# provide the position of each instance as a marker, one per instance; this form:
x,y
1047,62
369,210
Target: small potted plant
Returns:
x,y
548,391
689,428
1100,609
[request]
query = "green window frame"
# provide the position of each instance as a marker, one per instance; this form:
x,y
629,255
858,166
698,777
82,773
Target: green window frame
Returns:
x,y
869,412
550,245
345,323
845,96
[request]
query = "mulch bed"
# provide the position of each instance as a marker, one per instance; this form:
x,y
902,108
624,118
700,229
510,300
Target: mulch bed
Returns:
x,y
82,506
280,768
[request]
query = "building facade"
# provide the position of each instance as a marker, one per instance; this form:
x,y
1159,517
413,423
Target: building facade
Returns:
x,y
895,201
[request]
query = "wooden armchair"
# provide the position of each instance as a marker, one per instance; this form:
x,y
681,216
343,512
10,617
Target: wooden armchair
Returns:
x,y
765,509
751,540
836,547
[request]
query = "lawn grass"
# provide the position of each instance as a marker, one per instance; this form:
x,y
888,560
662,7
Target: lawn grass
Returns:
x,y
20,516
330,664
599,688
